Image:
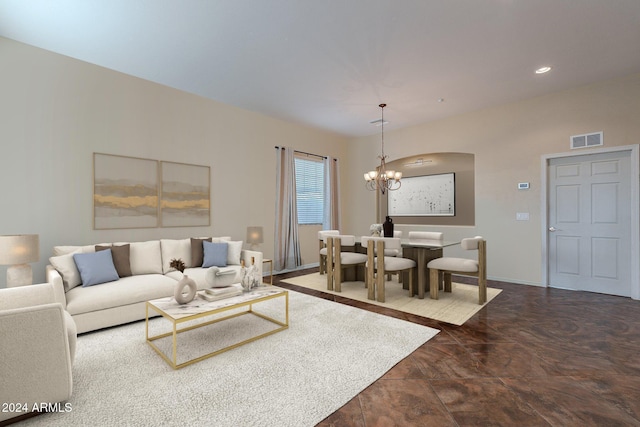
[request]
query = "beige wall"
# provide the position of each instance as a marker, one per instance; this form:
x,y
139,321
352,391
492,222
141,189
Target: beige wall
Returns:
x,y
508,142
56,111
461,164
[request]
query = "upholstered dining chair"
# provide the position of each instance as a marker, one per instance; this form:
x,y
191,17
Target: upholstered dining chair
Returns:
x,y
394,252
376,270
445,266
323,248
337,259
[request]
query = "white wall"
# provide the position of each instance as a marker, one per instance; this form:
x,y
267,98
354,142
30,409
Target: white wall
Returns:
x,y
56,111
508,142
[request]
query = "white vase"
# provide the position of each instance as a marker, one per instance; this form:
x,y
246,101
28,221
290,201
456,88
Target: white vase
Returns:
x,y
185,282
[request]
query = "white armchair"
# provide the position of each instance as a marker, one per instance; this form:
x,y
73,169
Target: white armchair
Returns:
x,y
38,347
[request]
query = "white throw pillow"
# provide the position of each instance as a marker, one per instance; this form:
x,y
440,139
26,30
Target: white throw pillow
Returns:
x,y
66,266
175,249
234,251
145,257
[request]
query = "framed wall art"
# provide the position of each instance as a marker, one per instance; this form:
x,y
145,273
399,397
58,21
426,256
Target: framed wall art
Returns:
x,y
125,192
185,195
428,195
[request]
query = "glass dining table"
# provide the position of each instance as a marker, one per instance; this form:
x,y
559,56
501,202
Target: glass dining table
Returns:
x,y
422,251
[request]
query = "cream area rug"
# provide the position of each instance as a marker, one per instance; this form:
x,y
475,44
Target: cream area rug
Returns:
x,y
456,307
296,377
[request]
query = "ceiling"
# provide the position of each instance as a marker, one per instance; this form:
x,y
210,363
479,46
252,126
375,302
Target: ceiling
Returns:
x,y
329,63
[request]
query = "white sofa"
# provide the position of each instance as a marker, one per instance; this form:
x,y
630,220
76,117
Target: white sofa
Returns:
x,y
37,350
123,300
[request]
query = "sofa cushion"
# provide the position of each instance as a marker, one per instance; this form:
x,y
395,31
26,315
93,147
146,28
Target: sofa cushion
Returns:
x,y
66,266
145,257
220,239
197,251
63,250
215,254
120,256
126,291
96,268
175,249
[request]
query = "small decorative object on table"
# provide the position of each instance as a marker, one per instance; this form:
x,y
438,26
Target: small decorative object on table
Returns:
x,y
245,277
215,294
375,229
181,298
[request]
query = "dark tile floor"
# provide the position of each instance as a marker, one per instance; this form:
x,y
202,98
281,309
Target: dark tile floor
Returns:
x,y
532,357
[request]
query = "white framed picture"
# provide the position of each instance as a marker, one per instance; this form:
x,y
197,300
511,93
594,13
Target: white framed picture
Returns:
x,y
427,195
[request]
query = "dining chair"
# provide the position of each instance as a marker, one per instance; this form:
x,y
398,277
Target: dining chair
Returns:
x,y
375,279
446,266
337,259
394,252
323,248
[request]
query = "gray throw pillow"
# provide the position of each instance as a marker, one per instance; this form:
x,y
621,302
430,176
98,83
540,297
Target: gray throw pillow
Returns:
x,y
197,251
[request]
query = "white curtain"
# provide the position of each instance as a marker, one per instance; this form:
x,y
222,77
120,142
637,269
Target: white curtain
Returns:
x,y
331,213
287,245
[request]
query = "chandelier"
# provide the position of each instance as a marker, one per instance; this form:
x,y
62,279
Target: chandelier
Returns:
x,y
381,178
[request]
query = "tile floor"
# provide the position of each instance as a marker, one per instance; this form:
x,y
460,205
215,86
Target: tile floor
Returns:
x,y
531,357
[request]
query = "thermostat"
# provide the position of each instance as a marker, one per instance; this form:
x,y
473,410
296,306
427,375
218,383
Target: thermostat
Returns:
x,y
523,186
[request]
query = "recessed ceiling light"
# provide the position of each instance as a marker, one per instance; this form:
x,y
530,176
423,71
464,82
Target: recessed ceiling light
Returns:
x,y
543,70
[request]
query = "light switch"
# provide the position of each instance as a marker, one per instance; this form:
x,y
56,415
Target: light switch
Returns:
x,y
522,216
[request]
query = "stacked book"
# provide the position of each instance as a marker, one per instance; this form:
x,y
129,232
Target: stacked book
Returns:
x,y
215,294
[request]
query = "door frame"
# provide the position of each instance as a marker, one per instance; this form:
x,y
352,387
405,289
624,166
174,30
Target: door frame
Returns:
x,y
635,209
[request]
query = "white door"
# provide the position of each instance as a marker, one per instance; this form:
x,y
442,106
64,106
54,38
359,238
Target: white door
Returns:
x,y
589,221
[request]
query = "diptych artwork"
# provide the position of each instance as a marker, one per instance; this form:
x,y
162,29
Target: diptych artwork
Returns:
x,y
130,192
125,192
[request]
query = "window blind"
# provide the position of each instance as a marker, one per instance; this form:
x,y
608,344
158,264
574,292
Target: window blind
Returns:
x,y
309,190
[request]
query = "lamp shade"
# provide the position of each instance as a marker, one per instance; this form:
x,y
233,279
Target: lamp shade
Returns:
x,y
19,249
254,235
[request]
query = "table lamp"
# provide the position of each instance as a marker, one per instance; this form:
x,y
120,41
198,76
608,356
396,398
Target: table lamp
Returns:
x,y
17,251
254,236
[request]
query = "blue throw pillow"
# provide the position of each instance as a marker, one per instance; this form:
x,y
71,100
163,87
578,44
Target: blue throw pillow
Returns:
x,y
215,254
96,268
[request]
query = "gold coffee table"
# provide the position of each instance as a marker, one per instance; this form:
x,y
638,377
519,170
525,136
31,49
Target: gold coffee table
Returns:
x,y
200,308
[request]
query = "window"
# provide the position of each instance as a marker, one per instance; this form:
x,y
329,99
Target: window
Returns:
x,y
309,190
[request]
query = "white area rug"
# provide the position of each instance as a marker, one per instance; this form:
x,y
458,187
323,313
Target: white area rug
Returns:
x,y
454,307
296,377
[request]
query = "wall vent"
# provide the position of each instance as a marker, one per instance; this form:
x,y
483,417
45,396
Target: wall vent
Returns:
x,y
586,140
